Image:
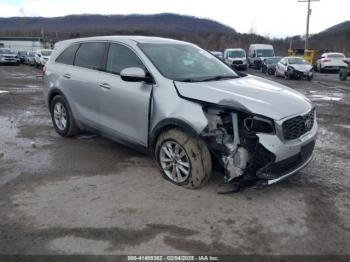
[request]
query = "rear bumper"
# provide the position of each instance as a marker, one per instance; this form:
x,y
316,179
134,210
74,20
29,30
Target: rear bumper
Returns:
x,y
332,67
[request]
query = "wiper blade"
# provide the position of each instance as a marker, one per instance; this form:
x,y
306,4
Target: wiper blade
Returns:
x,y
216,78
219,77
188,80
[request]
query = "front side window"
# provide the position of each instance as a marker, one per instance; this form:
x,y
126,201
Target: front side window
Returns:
x,y
121,57
90,55
67,56
187,63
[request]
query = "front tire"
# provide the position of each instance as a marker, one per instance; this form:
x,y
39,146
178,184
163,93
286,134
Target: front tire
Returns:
x,y
320,70
343,74
183,159
62,117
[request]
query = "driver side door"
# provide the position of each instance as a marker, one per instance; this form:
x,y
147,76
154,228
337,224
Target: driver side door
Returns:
x,y
124,106
281,67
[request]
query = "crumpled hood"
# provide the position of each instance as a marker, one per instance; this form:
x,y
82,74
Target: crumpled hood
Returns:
x,y
251,93
302,68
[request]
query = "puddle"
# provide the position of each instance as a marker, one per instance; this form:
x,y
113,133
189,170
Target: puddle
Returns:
x,y
327,96
3,92
344,126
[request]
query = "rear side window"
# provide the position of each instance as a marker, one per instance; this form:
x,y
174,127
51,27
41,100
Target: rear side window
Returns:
x,y
67,56
90,55
121,57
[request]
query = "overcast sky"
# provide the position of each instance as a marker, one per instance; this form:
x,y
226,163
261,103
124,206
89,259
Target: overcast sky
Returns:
x,y
276,18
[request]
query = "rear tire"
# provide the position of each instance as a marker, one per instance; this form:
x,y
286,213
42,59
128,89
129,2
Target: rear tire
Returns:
x,y
194,152
287,76
270,71
62,117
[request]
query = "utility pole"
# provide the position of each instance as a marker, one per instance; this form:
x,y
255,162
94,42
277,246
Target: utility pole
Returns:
x,y
307,20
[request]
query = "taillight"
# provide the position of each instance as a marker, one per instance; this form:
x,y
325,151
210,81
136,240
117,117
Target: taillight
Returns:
x,y
327,60
44,70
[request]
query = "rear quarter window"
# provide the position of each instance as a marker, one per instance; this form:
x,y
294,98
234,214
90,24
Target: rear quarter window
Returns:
x,y
67,56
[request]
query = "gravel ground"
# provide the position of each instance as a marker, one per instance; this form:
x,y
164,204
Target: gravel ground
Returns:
x,y
89,195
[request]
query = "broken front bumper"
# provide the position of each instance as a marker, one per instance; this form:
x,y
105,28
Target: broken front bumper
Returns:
x,y
290,156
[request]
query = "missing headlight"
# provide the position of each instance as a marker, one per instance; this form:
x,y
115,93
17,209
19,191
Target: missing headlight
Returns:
x,y
259,125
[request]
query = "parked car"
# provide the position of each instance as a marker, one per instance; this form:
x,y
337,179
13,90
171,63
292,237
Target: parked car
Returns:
x,y
8,57
345,72
30,59
257,53
330,62
218,54
269,65
42,56
180,103
294,67
236,58
22,55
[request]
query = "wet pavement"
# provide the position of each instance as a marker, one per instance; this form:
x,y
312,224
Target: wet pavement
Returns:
x,y
89,195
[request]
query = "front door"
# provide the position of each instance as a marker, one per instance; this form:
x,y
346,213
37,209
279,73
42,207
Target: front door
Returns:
x,y
124,106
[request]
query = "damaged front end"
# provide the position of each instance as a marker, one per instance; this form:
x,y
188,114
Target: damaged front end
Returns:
x,y
232,137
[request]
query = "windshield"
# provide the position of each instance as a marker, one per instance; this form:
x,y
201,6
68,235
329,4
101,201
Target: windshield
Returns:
x,y
5,51
297,61
336,56
187,63
236,54
46,52
31,54
265,53
273,60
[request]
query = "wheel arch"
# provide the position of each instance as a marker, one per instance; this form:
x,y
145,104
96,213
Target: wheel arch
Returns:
x,y
54,92
165,125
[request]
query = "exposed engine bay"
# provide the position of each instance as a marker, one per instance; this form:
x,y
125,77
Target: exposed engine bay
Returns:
x,y
231,137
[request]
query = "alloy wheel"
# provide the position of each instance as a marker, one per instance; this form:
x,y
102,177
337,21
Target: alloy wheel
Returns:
x,y
174,161
60,116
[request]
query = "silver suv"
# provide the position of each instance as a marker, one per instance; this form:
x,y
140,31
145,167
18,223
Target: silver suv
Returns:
x,y
183,105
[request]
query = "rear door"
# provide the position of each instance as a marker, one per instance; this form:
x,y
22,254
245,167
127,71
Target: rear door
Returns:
x,y
84,79
124,106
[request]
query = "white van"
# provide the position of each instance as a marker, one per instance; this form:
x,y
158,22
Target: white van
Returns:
x,y
236,58
257,53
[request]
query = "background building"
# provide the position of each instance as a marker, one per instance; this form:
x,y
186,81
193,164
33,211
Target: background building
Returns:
x,y
23,43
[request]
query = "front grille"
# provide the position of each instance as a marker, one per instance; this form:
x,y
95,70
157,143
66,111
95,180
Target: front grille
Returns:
x,y
295,127
238,62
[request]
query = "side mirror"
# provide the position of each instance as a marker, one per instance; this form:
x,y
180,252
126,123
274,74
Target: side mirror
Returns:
x,y
39,55
135,74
